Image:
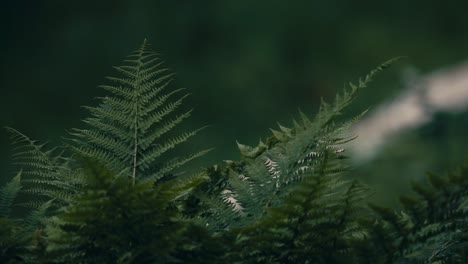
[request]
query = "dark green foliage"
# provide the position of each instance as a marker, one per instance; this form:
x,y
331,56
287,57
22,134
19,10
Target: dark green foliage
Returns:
x,y
432,228
114,221
46,175
8,194
16,235
127,133
291,203
112,195
11,246
315,223
267,172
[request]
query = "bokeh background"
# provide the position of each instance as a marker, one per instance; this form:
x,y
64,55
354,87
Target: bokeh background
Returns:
x,y
248,65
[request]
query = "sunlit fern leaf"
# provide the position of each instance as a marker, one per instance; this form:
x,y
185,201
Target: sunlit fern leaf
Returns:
x,y
8,193
128,130
45,174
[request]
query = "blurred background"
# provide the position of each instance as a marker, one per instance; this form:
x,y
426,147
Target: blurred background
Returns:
x,y
249,65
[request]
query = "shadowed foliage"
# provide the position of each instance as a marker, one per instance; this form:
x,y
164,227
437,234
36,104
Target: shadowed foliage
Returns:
x,y
113,194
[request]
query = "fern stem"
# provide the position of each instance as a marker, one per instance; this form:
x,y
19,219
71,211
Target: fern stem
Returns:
x,y
135,135
135,150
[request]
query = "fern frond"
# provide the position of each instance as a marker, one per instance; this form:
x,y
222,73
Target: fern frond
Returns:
x,y
30,153
314,223
127,130
158,150
45,174
175,163
16,234
8,193
328,112
37,217
431,228
269,171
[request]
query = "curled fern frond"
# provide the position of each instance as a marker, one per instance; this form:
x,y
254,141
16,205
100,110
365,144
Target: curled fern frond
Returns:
x,y
128,130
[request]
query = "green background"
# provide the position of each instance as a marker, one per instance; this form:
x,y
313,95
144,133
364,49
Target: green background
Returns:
x,y
248,65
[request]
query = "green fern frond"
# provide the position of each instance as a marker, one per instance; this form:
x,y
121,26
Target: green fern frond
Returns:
x,y
31,155
175,163
314,223
431,228
8,193
16,234
45,174
37,218
328,112
267,172
127,130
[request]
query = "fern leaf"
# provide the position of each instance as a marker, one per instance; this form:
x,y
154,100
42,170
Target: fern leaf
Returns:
x,y
269,172
45,174
8,194
328,112
432,228
37,217
128,130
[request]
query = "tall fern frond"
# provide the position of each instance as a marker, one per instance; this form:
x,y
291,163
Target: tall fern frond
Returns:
x,y
128,130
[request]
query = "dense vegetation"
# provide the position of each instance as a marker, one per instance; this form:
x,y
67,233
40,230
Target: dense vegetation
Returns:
x,y
114,193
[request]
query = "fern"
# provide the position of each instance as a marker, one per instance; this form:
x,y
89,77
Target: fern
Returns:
x,y
47,176
266,172
10,243
431,229
127,131
315,223
8,193
118,199
15,234
114,221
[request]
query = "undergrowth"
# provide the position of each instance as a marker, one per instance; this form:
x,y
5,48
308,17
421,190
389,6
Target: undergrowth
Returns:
x,y
113,193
